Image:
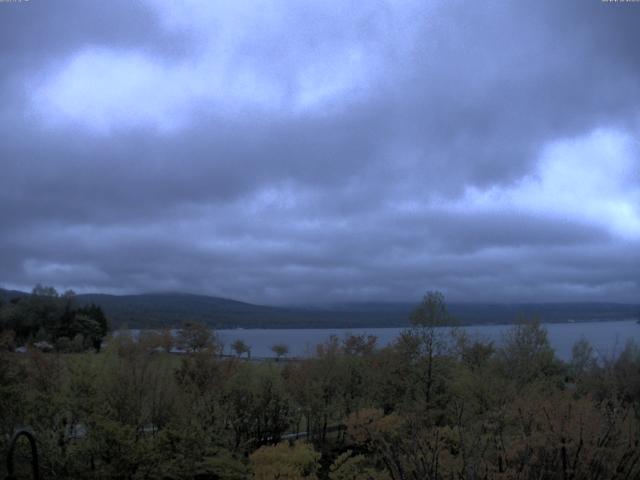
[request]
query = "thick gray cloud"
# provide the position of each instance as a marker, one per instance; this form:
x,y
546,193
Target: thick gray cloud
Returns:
x,y
281,152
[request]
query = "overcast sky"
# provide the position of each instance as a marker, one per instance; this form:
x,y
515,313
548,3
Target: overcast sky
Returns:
x,y
296,151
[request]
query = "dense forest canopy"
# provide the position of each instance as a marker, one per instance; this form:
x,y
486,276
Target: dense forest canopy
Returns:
x,y
436,404
52,320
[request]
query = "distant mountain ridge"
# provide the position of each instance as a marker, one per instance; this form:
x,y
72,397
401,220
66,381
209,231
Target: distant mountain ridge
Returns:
x,y
154,310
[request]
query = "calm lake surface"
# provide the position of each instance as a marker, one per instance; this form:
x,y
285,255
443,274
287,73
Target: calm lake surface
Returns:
x,y
607,338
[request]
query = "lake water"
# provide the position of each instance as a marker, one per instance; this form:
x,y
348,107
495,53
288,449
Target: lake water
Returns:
x,y
607,338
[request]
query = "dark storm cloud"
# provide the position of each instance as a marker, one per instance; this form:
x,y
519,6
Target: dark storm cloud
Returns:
x,y
35,31
344,151
34,34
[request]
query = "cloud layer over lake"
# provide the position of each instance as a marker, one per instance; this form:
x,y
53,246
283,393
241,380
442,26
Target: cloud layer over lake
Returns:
x,y
282,152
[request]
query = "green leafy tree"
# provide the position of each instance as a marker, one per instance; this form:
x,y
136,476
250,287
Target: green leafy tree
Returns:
x,y
583,359
354,467
240,348
526,354
359,344
44,291
195,337
285,462
280,349
427,321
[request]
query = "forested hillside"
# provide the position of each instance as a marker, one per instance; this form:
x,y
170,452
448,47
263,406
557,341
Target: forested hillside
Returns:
x,y
171,309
